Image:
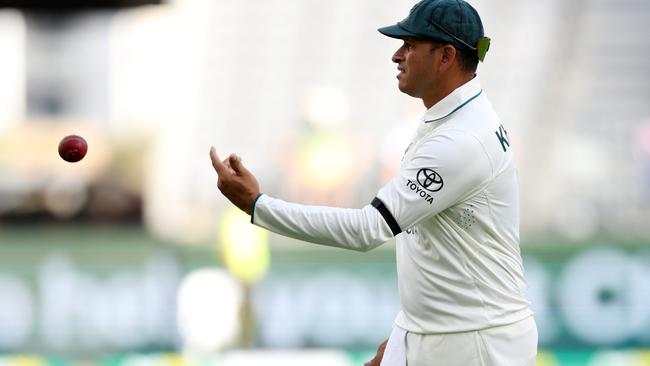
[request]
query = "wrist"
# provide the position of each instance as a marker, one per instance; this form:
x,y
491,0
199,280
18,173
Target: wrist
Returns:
x,y
251,208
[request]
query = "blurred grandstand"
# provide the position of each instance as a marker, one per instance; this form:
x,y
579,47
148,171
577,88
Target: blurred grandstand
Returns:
x,y
132,257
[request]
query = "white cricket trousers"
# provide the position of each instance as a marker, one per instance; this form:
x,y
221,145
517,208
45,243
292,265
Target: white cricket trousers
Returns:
x,y
509,345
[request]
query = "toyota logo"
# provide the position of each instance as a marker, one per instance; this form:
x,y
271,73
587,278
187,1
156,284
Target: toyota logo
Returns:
x,y
430,180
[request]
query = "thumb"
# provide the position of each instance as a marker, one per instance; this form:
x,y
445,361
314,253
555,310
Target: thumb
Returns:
x,y
237,166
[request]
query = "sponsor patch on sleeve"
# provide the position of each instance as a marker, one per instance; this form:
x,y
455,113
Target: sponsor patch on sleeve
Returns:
x,y
427,181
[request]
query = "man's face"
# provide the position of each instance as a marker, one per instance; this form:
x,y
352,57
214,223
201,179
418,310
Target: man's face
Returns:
x,y
417,62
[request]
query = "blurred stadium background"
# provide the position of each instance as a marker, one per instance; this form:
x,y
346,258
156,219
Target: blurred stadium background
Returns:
x,y
132,257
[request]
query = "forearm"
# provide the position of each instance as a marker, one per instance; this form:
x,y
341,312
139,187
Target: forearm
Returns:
x,y
356,229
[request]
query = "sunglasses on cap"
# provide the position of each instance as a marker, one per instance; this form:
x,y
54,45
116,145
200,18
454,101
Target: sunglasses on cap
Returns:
x,y
482,46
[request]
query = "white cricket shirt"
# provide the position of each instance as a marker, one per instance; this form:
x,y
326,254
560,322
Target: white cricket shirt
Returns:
x,y
454,209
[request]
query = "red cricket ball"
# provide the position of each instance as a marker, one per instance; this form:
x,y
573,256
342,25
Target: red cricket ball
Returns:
x,y
73,148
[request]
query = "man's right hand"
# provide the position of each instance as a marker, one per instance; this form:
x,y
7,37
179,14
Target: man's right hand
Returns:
x,y
235,181
380,354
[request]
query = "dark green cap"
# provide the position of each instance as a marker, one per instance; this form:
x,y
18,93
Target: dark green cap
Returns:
x,y
448,21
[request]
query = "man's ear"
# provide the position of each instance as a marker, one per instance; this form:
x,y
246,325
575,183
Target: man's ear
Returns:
x,y
448,56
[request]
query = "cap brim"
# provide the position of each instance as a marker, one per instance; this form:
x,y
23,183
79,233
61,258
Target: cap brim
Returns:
x,y
395,31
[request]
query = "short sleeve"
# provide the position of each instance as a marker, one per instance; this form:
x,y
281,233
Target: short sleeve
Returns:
x,y
445,169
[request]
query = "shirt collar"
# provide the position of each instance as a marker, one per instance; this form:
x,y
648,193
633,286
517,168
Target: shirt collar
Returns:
x,y
454,101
